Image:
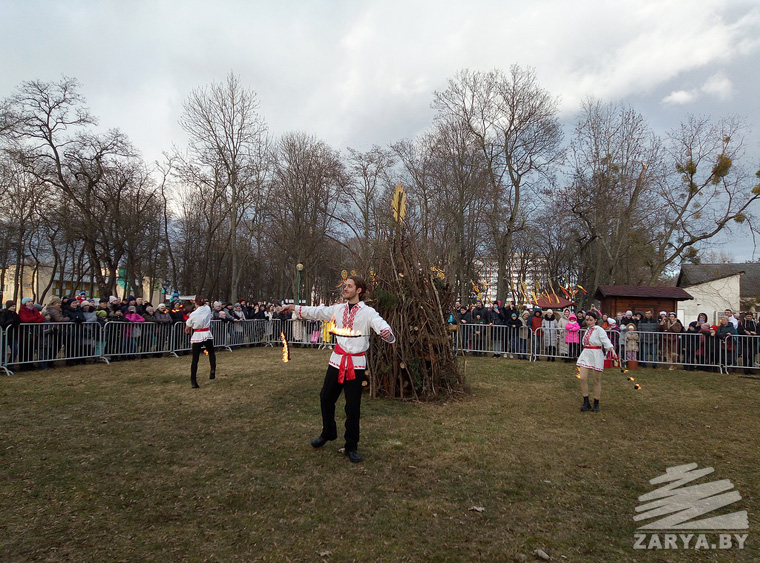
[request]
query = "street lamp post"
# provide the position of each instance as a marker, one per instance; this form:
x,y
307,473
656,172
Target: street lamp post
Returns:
x,y
299,268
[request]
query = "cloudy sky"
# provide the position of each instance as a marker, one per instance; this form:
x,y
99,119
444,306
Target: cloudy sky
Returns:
x,y
362,72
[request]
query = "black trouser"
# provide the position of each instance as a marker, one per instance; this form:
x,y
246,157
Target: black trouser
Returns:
x,y
197,347
329,396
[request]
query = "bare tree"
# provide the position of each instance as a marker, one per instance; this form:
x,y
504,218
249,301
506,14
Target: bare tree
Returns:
x,y
616,168
514,124
227,155
308,179
370,174
91,172
706,190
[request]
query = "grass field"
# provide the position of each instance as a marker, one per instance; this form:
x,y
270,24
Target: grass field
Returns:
x,y
124,462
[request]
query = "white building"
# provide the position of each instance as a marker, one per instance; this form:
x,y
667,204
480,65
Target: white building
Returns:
x,y
717,287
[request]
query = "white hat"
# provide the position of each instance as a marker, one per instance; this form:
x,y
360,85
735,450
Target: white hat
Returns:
x,y
549,312
629,313
663,313
611,321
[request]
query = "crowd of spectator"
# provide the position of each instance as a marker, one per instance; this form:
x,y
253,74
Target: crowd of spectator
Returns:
x,y
504,330
521,333
78,314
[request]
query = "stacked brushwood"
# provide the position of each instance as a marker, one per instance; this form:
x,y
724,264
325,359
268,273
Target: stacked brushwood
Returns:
x,y
416,301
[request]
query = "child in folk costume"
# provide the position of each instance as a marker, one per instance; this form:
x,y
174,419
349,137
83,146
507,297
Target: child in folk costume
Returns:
x,y
595,342
199,322
348,361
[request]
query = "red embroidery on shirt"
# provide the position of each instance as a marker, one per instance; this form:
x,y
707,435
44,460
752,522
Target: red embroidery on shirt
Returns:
x,y
587,337
348,317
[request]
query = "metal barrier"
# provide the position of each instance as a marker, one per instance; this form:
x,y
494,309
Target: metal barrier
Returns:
x,y
741,351
130,339
44,343
496,340
6,352
41,344
689,351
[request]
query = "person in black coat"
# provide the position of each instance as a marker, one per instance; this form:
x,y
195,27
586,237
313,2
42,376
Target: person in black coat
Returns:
x,y
513,334
9,322
748,342
464,319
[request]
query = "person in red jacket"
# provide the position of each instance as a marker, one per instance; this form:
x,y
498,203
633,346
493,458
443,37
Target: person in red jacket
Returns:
x,y
536,333
28,335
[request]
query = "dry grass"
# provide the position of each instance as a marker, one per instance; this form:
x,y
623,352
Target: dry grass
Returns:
x,y
126,462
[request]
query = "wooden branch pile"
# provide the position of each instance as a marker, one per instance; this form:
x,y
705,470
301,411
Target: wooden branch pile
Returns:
x,y
415,300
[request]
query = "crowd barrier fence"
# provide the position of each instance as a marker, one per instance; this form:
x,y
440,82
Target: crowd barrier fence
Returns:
x,y
41,344
690,351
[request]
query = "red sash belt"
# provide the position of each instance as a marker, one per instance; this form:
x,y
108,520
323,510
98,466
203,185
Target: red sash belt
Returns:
x,y
201,329
593,347
346,371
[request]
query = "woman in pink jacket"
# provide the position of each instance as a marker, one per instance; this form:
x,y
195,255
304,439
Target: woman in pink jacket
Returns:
x,y
573,336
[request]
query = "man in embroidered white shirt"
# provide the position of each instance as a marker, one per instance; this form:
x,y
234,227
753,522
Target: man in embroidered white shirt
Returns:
x,y
348,361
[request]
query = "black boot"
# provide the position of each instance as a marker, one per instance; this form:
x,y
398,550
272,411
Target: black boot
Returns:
x,y
586,406
596,405
213,375
194,383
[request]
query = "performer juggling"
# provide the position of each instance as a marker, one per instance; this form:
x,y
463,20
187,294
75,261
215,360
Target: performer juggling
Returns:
x,y
348,360
200,323
591,359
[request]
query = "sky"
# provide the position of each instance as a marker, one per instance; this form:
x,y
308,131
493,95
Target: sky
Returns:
x,y
363,72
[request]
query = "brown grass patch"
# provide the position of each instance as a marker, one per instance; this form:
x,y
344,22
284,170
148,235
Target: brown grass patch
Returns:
x,y
126,462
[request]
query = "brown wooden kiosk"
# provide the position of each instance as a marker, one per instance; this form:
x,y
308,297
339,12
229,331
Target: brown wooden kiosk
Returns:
x,y
614,298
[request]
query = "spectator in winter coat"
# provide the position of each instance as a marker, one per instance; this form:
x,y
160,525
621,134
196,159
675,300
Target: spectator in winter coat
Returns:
x,y
56,312
614,332
148,314
631,343
550,329
161,315
88,312
573,337
526,334
562,322
8,316
648,340
691,341
581,318
512,345
9,322
132,333
727,335
478,333
627,319
536,322
673,327
177,312
29,337
28,313
102,306
74,312
478,309
508,309
749,342
131,301
216,310
700,352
